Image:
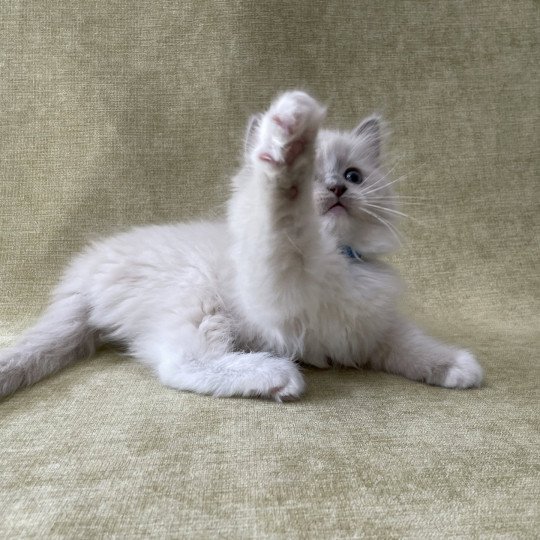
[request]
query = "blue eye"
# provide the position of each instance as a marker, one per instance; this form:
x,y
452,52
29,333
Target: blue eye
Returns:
x,y
353,175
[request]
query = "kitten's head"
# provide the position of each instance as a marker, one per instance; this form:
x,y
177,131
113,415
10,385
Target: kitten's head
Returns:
x,y
352,193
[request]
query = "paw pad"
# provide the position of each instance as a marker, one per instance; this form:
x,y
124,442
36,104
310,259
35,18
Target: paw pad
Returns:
x,y
288,128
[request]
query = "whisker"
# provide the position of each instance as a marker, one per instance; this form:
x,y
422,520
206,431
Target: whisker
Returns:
x,y
393,197
387,224
392,211
389,210
386,175
398,196
383,177
395,200
399,179
294,245
380,199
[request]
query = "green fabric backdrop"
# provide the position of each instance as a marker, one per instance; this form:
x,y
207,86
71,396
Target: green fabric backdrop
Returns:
x,y
129,112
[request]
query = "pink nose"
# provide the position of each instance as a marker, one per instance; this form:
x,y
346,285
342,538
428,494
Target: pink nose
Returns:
x,y
338,190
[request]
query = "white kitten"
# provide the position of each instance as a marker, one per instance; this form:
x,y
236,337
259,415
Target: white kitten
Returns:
x,y
228,308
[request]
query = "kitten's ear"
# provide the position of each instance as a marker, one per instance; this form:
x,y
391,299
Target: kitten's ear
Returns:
x,y
251,131
371,131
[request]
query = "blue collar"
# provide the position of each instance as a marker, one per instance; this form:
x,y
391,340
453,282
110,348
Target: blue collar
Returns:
x,y
351,253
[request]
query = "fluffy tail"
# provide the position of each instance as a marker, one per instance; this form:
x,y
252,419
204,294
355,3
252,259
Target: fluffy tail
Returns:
x,y
60,337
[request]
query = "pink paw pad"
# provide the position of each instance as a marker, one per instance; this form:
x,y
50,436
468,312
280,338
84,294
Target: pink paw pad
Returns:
x,y
285,125
265,156
289,129
292,151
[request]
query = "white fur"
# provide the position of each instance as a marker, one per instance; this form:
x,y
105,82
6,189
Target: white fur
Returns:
x,y
228,308
465,372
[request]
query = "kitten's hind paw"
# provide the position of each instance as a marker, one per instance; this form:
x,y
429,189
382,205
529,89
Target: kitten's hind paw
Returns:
x,y
288,128
465,372
290,391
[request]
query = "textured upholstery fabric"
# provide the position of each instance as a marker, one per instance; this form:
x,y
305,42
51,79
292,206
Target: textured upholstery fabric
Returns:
x,y
129,112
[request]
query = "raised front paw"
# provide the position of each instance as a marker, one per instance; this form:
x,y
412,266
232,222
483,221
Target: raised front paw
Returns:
x,y
464,372
288,129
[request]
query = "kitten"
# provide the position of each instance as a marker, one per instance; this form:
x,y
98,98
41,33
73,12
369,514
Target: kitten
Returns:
x,y
229,308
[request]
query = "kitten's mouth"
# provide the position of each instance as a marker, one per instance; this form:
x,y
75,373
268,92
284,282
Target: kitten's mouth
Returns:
x,y
336,208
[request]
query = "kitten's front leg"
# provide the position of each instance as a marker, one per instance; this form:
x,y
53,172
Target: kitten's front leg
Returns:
x,y
272,214
283,153
407,351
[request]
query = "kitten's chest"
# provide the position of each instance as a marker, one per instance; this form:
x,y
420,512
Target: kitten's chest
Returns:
x,y
347,327
338,337
340,323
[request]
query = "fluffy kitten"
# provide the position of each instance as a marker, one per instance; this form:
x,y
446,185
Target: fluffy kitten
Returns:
x,y
228,308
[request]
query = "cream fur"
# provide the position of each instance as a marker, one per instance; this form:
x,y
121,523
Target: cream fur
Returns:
x,y
229,308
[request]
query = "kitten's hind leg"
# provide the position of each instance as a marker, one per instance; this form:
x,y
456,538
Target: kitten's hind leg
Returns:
x,y
256,374
200,358
409,352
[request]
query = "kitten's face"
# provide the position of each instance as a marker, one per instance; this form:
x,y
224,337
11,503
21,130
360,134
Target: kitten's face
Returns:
x,y
351,188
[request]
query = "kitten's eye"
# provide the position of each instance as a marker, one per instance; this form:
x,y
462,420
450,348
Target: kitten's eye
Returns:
x,y
353,175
